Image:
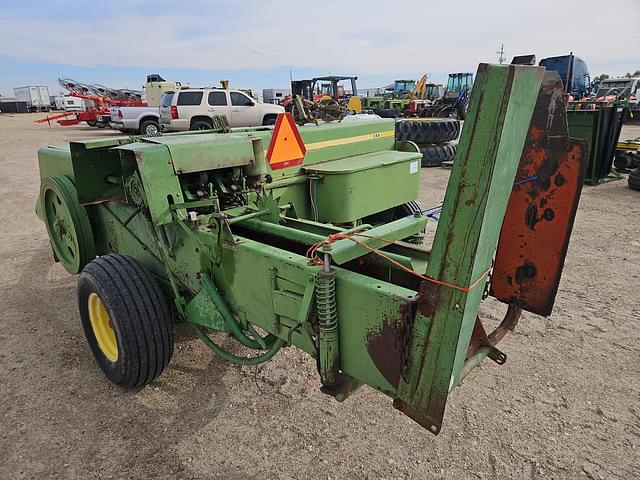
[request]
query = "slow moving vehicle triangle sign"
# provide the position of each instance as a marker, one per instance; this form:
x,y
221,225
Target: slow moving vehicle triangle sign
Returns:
x,y
286,148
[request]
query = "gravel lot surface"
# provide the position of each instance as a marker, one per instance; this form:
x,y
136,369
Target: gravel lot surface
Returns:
x,y
565,405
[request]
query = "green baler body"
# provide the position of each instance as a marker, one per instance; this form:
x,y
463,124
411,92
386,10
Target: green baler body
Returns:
x,y
396,332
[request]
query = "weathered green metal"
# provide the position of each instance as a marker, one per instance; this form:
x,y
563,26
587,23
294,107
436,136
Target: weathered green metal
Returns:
x,y
345,250
474,205
230,238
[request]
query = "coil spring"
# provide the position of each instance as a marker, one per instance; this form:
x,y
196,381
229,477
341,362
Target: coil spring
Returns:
x,y
326,300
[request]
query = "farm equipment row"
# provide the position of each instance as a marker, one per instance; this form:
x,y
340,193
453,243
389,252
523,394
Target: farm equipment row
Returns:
x,y
98,100
405,98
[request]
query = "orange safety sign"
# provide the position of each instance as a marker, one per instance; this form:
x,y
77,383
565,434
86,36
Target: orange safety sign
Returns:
x,y
286,148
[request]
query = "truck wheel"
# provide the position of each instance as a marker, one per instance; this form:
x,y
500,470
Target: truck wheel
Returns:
x,y
67,224
269,120
126,320
201,125
91,123
149,127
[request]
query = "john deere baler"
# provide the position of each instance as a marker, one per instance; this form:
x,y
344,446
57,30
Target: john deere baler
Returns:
x,y
311,238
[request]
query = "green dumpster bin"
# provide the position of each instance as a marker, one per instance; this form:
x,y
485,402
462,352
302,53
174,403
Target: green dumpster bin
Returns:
x,y
600,124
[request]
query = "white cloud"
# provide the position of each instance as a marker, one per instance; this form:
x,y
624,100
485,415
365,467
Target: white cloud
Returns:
x,y
361,37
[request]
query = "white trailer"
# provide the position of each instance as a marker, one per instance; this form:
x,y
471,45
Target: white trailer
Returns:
x,y
37,97
69,103
275,95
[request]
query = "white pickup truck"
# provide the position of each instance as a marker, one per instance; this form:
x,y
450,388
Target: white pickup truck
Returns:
x,y
142,120
193,108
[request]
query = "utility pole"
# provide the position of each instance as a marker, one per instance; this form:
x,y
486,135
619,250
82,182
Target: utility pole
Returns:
x,y
501,52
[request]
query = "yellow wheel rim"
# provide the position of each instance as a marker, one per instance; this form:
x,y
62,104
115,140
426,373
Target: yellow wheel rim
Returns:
x,y
102,329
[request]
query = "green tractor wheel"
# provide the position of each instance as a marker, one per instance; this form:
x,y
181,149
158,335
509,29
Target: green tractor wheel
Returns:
x,y
67,223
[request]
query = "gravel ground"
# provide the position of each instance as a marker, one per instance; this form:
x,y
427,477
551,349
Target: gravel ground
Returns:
x,y
565,405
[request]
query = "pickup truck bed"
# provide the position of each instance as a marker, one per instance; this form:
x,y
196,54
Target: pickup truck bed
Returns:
x,y
142,120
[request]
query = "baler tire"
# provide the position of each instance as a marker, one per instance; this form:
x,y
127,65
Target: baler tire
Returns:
x,y
67,224
406,209
428,130
634,179
137,314
434,155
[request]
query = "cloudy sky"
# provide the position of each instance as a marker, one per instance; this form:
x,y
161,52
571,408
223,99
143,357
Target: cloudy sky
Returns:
x,y
257,43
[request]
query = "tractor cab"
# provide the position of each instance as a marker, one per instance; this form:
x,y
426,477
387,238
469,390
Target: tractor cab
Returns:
x,y
403,86
459,84
434,91
330,87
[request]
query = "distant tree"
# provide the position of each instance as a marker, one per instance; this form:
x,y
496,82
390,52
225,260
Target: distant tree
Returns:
x,y
634,74
601,77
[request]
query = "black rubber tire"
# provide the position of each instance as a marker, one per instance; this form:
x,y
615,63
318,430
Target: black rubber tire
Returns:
x,y
387,113
620,161
461,110
269,120
634,179
434,155
91,123
406,209
138,313
148,124
448,164
431,130
201,125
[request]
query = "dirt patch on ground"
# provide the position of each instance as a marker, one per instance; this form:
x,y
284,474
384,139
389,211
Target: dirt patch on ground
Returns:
x,y
565,405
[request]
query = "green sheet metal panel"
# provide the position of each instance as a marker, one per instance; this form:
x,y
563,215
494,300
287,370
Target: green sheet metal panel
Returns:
x,y
366,306
197,153
158,176
55,160
354,187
